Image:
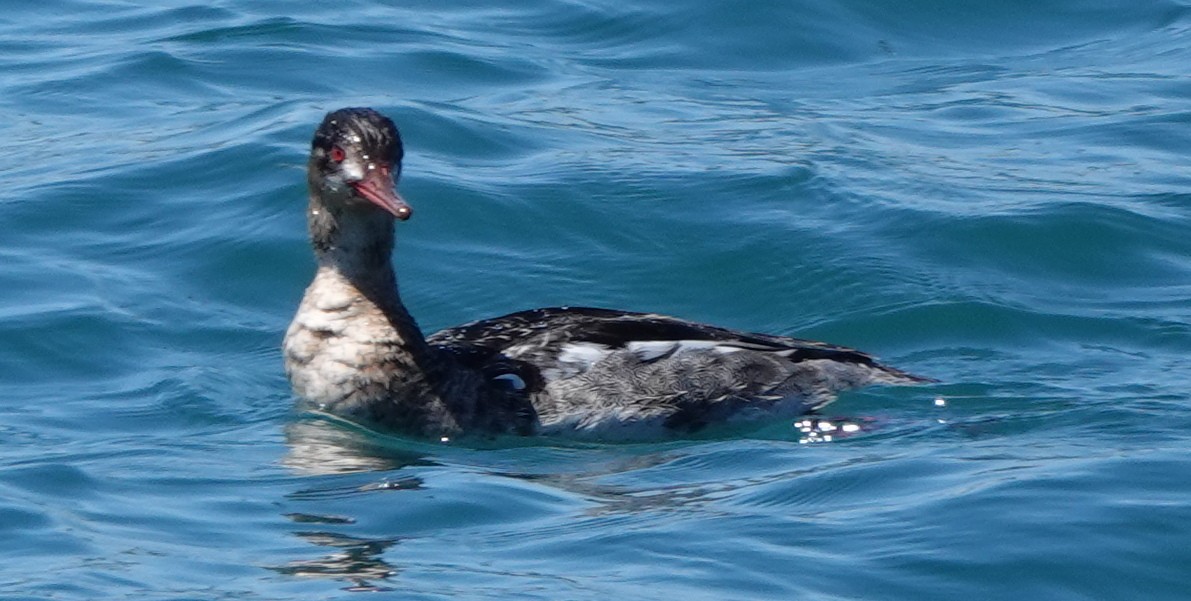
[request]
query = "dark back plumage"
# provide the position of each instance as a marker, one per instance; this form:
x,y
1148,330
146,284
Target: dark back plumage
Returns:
x,y
615,329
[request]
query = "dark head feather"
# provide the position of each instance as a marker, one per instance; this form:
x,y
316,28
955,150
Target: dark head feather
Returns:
x,y
365,129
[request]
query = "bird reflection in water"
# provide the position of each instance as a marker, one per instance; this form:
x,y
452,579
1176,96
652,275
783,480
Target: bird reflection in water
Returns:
x,y
331,446
318,447
355,560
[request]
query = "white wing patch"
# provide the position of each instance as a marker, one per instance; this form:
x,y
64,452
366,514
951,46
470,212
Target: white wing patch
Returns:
x,y
649,350
575,358
582,355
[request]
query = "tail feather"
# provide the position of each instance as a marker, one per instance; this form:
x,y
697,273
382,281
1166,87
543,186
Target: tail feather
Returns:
x,y
818,381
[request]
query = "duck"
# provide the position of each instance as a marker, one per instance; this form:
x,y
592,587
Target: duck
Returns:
x,y
354,351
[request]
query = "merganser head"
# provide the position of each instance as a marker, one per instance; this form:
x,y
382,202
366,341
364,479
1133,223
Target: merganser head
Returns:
x,y
355,158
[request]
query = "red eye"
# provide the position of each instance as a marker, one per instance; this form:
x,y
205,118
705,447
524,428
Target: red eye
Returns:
x,y
337,154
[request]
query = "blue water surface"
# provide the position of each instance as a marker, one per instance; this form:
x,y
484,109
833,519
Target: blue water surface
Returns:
x,y
995,194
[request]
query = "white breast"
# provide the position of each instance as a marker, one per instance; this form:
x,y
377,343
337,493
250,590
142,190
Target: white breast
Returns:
x,y
331,339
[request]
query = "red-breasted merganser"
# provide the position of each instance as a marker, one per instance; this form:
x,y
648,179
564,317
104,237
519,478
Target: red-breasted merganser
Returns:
x,y
354,350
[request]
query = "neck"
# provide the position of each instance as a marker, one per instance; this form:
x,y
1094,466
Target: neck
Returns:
x,y
356,243
403,377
